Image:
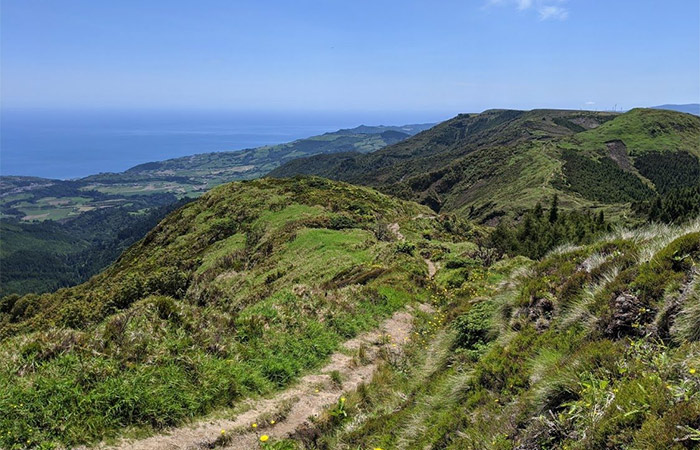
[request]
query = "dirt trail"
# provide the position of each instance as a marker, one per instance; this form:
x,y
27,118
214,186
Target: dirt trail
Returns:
x,y
432,268
292,407
395,228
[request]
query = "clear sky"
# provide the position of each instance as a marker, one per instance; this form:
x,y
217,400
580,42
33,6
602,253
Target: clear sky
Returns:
x,y
354,55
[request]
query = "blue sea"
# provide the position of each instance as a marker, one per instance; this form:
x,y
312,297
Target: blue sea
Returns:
x,y
73,144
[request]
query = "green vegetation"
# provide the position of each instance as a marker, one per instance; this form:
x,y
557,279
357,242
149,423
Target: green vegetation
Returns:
x,y
29,198
233,295
87,223
669,170
537,233
643,131
557,328
678,205
600,180
590,347
45,256
501,163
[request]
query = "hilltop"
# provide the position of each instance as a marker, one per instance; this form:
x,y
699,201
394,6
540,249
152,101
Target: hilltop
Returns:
x,y
233,295
88,222
36,199
503,162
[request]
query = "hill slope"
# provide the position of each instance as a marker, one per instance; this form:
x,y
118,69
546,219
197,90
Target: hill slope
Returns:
x,y
592,347
256,283
501,162
233,295
92,210
31,198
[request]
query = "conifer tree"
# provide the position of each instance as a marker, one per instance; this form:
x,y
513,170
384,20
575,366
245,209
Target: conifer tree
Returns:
x,y
554,209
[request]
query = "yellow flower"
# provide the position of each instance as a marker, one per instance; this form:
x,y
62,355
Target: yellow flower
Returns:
x,y
692,371
264,438
272,422
255,425
342,399
223,432
377,448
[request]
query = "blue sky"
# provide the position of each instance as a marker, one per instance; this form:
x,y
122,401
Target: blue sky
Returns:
x,y
441,55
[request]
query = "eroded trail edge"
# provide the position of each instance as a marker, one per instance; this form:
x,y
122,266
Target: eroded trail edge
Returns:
x,y
294,406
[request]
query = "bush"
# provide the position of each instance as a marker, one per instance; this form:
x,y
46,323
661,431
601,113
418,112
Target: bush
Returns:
x,y
340,222
406,247
474,328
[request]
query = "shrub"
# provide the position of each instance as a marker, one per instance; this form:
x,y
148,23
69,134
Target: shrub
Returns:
x,y
474,327
340,222
406,247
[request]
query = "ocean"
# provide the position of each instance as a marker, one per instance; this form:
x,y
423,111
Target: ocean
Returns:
x,y
73,144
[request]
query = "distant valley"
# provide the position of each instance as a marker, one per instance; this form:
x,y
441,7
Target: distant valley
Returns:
x,y
58,233
162,182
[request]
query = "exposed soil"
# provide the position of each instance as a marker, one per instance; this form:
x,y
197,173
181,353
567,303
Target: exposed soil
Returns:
x,y
293,407
432,268
618,153
395,229
587,122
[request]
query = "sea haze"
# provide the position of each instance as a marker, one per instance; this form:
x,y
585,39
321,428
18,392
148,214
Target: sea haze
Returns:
x,y
72,144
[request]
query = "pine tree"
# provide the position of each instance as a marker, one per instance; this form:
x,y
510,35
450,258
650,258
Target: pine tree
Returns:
x,y
554,209
538,211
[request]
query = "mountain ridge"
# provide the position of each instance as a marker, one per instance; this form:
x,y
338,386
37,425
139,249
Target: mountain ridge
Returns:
x,y
464,164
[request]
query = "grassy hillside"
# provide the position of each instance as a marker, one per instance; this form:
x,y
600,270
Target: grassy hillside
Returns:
x,y
503,162
36,199
91,211
45,256
590,347
233,295
242,291
446,142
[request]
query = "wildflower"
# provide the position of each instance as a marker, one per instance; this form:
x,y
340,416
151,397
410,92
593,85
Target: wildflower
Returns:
x,y
272,422
692,371
255,425
342,399
223,432
264,438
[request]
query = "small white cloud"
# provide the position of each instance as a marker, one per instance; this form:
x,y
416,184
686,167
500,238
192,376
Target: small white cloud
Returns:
x,y
547,9
590,103
553,12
